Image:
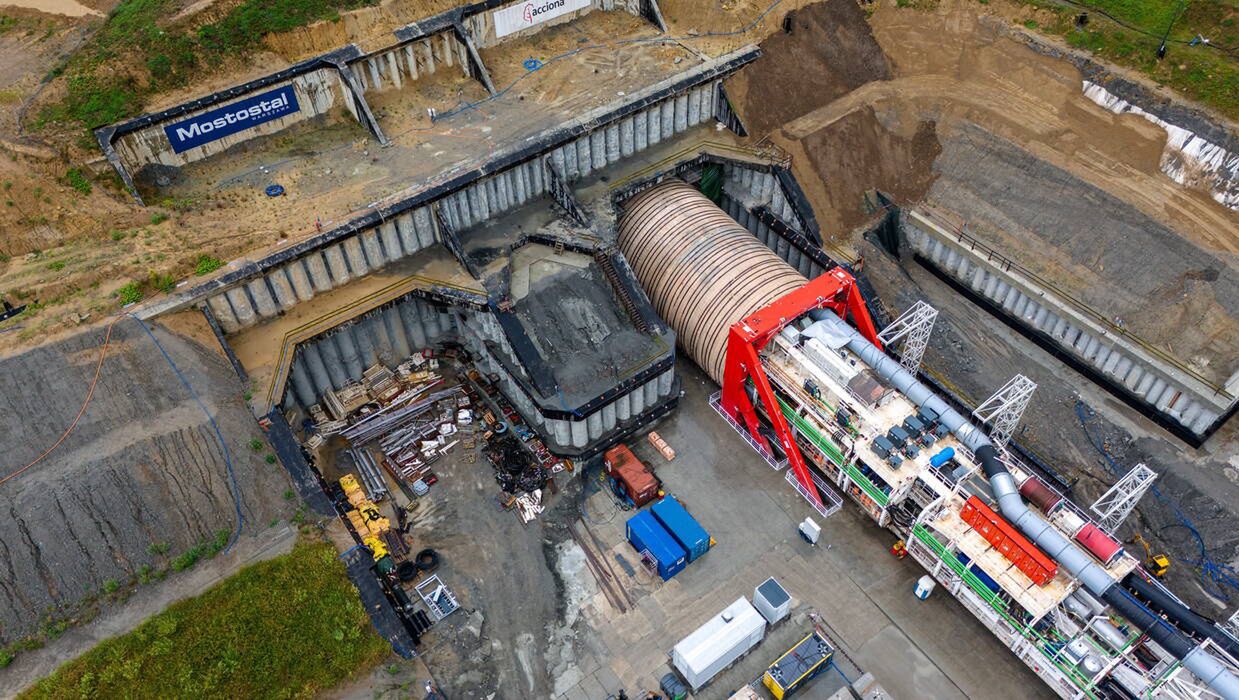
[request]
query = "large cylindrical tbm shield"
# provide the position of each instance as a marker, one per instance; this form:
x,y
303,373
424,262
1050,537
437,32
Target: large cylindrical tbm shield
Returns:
x,y
702,270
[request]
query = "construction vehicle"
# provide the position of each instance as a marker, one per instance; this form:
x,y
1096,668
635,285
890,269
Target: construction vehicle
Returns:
x,y
1157,564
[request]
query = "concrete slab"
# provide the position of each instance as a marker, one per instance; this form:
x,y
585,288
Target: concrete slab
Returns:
x,y
917,675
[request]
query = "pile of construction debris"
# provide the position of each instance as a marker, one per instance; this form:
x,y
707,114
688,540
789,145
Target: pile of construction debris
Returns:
x,y
397,412
522,463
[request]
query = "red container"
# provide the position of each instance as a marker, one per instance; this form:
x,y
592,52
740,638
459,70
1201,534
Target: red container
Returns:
x,y
636,480
1040,495
1100,544
1009,542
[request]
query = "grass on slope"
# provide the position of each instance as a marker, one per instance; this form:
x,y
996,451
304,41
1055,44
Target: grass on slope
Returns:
x,y
1131,34
289,627
136,53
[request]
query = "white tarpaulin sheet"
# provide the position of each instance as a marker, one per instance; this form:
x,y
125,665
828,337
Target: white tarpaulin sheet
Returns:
x,y
514,18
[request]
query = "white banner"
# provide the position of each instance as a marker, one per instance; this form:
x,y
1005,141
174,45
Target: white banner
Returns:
x,y
517,17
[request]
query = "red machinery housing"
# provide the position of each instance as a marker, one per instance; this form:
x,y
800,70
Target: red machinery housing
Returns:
x,y
835,290
630,475
1009,542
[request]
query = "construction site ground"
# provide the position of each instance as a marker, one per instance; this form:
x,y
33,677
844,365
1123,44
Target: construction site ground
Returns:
x,y
538,623
333,171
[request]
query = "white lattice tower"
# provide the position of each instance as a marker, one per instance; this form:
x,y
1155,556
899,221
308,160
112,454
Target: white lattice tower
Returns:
x,y
913,327
1002,411
1117,503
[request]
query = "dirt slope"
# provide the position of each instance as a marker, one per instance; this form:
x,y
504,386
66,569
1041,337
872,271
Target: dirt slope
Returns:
x,y
142,467
823,52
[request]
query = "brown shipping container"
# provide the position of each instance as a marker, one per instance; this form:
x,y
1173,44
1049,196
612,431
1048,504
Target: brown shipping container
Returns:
x,y
634,477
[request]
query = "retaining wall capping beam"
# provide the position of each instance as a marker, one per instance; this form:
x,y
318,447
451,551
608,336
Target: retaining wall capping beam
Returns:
x,y
1172,395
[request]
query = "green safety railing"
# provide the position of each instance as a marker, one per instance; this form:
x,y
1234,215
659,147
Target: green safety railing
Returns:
x,y
1040,642
834,453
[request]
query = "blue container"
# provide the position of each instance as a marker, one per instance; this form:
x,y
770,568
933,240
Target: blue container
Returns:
x,y
645,534
683,527
942,457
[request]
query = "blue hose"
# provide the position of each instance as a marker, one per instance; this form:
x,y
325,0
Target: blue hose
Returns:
x,y
232,479
1214,577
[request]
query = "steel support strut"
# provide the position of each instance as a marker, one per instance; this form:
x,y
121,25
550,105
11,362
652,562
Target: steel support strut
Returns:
x,y
835,290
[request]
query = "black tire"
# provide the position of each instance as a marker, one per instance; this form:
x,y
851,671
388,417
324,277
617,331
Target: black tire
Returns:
x,y
427,559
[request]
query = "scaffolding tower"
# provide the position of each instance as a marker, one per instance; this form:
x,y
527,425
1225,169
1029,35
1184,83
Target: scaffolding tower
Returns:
x,y
913,327
1002,411
1117,503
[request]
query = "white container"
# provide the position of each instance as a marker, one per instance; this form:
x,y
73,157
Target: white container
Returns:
x,y
924,586
716,644
772,601
810,530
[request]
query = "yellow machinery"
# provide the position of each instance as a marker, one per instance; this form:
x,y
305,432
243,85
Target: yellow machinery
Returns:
x,y
792,671
368,521
1157,564
365,517
377,548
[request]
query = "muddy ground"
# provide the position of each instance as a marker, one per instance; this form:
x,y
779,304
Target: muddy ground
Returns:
x,y
836,54
505,575
138,481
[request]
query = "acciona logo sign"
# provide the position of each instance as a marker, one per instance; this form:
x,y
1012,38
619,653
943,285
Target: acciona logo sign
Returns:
x,y
523,15
236,117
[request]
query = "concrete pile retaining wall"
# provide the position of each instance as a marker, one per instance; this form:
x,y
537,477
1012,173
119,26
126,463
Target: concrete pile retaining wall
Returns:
x,y
392,68
391,334
565,429
386,336
1183,402
370,248
317,92
481,26
594,150
748,189
322,269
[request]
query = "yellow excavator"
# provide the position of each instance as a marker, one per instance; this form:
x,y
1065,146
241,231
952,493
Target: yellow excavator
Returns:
x,y
1157,564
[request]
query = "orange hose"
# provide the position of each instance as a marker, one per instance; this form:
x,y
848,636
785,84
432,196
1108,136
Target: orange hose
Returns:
x,y
90,392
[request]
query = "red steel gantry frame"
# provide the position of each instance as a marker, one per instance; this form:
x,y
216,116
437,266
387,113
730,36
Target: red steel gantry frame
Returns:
x,y
835,290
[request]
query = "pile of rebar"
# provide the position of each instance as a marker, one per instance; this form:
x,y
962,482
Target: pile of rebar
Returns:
x,y
386,420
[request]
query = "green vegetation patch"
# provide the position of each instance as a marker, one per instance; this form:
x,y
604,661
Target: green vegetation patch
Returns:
x,y
289,627
1128,33
137,54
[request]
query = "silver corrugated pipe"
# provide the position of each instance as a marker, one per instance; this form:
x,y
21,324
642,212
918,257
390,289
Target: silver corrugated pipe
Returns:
x,y
1094,578
702,270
